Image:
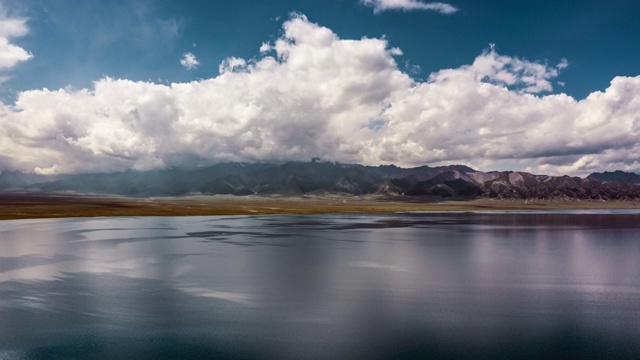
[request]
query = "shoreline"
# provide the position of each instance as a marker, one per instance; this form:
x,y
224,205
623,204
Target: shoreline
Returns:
x,y
15,206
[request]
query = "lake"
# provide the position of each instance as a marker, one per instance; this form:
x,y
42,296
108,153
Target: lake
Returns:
x,y
500,285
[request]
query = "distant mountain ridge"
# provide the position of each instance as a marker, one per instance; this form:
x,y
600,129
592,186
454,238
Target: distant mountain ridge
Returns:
x,y
300,178
616,176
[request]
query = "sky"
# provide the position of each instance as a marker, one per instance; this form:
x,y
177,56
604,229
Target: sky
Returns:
x,y
548,86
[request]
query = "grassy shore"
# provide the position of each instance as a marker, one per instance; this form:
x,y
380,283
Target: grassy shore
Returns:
x,y
29,206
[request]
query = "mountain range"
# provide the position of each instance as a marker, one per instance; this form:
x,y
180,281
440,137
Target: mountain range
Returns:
x,y
308,178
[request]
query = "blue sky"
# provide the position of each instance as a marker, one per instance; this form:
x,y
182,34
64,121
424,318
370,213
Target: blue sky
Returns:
x,y
550,56
77,42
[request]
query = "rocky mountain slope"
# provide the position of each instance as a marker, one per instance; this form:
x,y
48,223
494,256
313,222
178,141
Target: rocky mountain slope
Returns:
x,y
298,178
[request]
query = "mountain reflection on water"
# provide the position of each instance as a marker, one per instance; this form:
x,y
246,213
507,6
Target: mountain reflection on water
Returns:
x,y
399,286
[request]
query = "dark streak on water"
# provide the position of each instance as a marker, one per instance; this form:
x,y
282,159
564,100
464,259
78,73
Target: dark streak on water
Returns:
x,y
557,285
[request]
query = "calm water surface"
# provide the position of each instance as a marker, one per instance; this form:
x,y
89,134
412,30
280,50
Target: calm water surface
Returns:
x,y
558,285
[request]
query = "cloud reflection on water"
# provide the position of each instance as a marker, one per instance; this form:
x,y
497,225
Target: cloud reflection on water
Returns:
x,y
361,286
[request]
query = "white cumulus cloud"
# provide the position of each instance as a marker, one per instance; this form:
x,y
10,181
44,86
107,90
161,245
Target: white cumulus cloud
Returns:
x,y
11,54
189,61
409,5
313,94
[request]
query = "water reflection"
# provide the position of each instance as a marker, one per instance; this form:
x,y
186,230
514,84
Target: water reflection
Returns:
x,y
454,285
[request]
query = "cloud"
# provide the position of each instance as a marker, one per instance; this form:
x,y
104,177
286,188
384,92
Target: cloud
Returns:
x,y
409,5
10,54
189,61
312,94
233,64
265,47
526,76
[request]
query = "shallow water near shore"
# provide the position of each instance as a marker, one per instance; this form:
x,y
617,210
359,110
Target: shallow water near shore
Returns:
x,y
559,284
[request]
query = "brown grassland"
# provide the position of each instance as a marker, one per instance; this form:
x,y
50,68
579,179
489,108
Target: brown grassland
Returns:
x,y
25,206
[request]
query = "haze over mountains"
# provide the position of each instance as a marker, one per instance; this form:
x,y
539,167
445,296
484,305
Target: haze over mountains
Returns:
x,y
318,178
